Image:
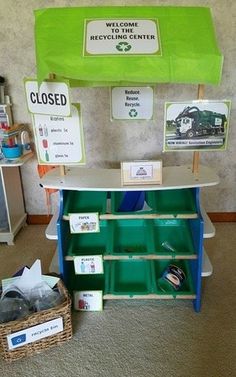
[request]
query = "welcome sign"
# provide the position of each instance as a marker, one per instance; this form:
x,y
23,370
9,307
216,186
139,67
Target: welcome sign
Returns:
x,y
121,37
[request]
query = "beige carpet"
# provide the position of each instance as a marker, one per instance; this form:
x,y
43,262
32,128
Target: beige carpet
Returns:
x,y
140,338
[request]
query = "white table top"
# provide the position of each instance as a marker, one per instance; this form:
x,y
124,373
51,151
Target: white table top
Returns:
x,y
91,179
15,162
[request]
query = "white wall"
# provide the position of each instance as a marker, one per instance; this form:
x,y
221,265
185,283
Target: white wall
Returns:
x,y
108,142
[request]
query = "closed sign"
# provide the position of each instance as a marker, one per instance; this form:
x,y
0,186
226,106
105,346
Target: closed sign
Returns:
x,y
49,98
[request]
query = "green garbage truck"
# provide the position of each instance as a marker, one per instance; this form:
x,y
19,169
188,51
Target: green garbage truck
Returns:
x,y
193,122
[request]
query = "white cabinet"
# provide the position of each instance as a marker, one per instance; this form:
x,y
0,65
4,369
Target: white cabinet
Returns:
x,y
13,215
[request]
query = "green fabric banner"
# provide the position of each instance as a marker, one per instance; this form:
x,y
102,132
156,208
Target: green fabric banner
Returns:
x,y
105,46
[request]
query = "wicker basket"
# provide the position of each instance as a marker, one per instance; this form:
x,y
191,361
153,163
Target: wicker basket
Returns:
x,y
63,310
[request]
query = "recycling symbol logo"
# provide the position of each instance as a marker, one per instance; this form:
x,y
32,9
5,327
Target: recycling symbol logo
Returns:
x,y
123,47
133,113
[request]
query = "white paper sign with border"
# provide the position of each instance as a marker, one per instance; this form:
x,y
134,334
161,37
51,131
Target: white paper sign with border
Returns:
x,y
121,37
84,222
88,300
201,125
59,140
88,264
141,172
51,98
133,103
34,333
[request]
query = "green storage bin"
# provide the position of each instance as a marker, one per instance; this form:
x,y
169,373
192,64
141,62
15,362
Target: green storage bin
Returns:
x,y
173,237
89,243
116,200
130,277
87,283
173,202
159,266
84,201
92,282
130,237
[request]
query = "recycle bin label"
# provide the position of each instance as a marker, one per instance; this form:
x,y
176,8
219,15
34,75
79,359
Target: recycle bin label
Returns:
x,y
30,335
121,37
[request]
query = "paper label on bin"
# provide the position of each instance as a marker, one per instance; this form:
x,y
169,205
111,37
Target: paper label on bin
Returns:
x,y
30,335
84,222
88,264
88,300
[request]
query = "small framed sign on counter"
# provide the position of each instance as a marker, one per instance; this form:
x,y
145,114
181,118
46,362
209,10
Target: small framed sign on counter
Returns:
x,y
141,172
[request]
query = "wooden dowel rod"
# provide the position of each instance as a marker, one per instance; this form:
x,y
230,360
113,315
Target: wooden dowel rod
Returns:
x,y
52,76
62,170
201,91
196,158
196,154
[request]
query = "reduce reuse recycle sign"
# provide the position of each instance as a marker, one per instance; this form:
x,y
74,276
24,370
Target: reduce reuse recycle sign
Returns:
x,y
115,37
132,103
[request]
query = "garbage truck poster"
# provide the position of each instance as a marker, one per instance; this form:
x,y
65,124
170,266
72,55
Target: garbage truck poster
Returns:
x,y
196,125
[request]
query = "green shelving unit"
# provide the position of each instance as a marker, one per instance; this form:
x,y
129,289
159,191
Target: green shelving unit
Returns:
x,y
134,249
